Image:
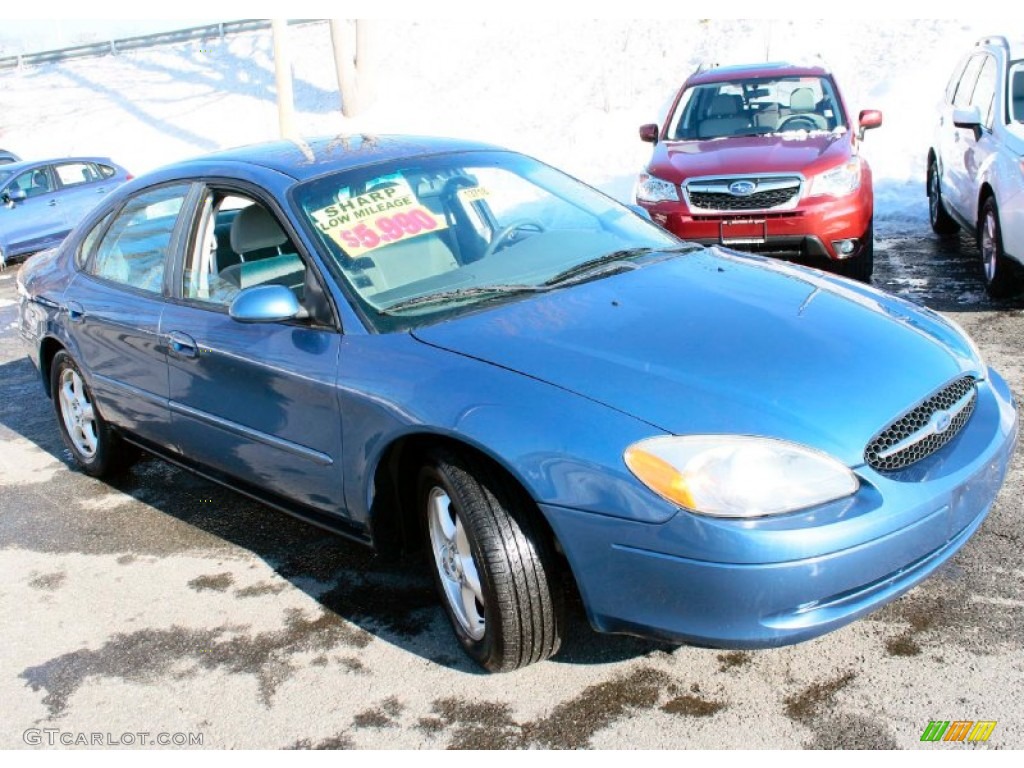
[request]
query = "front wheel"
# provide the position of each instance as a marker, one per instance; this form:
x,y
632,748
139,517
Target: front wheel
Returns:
x,y
97,450
492,563
942,223
1000,280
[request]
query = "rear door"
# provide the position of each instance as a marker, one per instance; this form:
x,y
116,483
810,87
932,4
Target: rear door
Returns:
x,y
82,186
114,308
38,221
255,401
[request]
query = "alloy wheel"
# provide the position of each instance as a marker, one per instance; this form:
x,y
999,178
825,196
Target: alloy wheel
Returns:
x,y
460,576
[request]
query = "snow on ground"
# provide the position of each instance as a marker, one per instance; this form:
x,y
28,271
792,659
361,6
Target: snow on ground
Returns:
x,y
570,93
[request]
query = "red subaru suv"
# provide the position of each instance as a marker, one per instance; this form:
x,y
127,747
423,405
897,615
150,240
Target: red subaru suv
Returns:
x,y
764,158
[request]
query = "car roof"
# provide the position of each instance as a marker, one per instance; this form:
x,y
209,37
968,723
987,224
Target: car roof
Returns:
x,y
310,157
762,69
995,43
23,165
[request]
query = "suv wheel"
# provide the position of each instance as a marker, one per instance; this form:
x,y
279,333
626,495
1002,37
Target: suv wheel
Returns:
x,y
1000,281
942,223
861,266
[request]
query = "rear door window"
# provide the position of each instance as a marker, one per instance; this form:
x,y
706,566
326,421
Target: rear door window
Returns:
x,y
135,247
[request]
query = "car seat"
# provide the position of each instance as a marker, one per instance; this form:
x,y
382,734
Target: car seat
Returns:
x,y
726,117
40,184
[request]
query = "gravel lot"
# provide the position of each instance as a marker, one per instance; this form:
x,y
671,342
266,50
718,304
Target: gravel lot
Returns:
x,y
165,604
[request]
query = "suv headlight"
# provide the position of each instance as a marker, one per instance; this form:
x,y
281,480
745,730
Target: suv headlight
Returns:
x,y
738,475
838,181
651,189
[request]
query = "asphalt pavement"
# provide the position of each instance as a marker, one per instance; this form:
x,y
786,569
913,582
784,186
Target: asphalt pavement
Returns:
x,y
163,610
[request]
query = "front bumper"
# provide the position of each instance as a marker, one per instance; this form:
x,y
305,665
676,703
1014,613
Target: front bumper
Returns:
x,y
808,231
770,582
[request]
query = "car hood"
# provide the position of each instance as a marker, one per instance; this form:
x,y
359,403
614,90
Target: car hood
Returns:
x,y
722,343
793,153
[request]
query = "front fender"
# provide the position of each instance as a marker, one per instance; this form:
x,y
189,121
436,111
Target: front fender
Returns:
x,y
564,449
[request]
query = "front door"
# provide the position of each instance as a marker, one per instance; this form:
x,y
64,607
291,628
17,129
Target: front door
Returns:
x,y
256,401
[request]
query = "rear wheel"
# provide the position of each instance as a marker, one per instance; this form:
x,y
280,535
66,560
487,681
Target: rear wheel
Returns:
x,y
97,450
1000,280
942,223
492,563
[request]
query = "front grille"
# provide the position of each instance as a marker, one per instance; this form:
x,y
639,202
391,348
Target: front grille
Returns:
x,y
921,432
723,201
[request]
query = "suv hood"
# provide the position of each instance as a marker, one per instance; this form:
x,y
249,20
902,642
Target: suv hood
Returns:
x,y
716,342
808,154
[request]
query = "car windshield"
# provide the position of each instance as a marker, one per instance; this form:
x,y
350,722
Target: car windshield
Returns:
x,y
5,175
1017,92
757,107
419,240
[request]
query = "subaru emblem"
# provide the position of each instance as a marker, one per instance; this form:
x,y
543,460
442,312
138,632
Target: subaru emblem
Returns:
x,y
742,188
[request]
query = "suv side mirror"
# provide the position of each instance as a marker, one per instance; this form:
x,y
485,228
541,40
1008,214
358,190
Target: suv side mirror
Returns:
x,y
14,195
649,133
868,118
968,117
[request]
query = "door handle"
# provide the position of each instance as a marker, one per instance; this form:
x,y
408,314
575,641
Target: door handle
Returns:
x,y
52,203
182,345
76,313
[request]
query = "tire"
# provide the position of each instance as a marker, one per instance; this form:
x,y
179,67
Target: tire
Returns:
x,y
861,266
1000,280
97,450
942,223
493,565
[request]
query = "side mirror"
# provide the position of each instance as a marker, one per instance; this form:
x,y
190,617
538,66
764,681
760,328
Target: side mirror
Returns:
x,y
265,304
968,117
868,118
15,195
649,133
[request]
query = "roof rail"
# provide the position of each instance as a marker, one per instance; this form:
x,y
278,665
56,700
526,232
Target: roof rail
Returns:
x,y
994,40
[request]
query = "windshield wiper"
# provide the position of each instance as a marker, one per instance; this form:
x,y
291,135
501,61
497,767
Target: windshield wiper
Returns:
x,y
457,294
610,261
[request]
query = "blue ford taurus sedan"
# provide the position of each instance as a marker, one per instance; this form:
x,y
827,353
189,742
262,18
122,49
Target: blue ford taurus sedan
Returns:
x,y
424,343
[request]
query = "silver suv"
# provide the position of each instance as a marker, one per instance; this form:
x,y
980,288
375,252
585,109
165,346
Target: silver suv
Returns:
x,y
976,163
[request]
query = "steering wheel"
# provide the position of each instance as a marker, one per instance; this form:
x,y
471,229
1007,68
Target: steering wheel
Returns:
x,y
808,121
507,231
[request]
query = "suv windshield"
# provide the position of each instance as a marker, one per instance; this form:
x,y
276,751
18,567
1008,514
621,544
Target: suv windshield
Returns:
x,y
416,241
756,107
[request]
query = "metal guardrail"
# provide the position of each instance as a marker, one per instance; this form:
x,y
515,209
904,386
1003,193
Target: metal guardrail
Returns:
x,y
113,47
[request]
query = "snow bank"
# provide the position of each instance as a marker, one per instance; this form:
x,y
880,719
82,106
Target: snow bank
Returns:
x,y
570,93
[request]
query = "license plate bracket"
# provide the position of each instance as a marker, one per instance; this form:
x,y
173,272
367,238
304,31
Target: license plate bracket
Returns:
x,y
743,231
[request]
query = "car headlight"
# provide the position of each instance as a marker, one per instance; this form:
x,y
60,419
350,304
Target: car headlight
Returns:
x,y
838,181
738,476
651,189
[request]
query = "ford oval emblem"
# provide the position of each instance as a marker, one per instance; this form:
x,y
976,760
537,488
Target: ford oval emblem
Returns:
x,y
941,420
742,188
